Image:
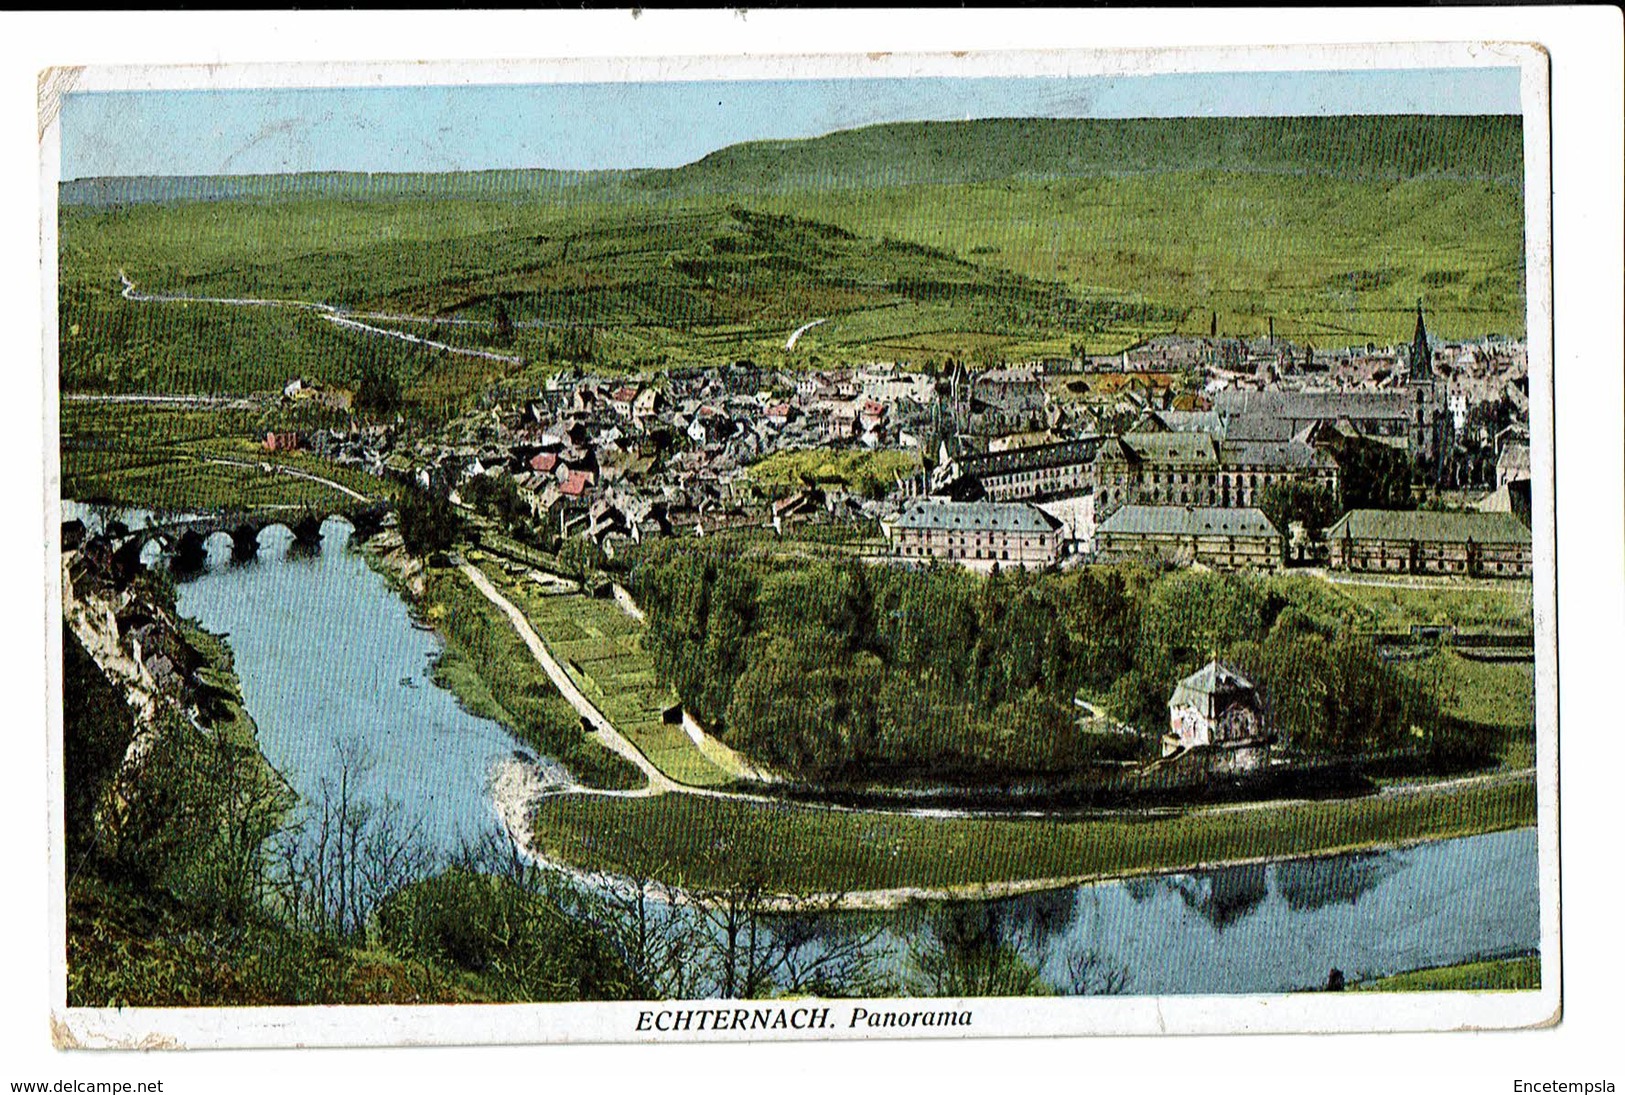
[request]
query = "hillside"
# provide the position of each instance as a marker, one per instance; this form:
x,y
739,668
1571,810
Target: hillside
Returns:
x,y
987,239
642,289
1369,147
1375,148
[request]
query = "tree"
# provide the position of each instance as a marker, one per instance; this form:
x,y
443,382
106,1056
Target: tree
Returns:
x,y
1288,503
428,522
1374,475
504,324
526,934
760,943
347,852
497,496
378,391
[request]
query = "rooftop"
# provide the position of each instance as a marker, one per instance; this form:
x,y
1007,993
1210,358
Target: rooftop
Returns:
x,y
1214,679
1395,403
1031,457
1187,521
1429,526
976,516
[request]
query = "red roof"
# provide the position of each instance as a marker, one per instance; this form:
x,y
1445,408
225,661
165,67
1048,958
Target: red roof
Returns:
x,y
575,483
544,461
626,395
779,410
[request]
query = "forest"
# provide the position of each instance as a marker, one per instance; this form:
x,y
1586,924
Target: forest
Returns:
x,y
838,673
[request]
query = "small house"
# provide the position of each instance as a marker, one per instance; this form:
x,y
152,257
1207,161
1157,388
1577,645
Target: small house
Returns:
x,y
1217,709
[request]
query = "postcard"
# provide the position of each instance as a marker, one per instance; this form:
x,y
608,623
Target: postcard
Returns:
x,y
829,547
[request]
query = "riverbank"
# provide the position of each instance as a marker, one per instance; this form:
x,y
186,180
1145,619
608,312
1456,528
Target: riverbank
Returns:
x,y
1517,974
484,664
876,860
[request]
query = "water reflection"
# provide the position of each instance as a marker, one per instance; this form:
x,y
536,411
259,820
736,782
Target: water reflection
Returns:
x,y
1224,896
1333,880
1281,927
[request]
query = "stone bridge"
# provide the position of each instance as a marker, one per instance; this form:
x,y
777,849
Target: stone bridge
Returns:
x,y
185,540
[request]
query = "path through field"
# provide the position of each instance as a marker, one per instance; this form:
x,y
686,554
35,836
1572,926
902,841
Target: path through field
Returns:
x,y
795,335
295,473
328,312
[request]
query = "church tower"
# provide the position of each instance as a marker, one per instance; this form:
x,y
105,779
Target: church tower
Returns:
x,y
1421,353
1429,443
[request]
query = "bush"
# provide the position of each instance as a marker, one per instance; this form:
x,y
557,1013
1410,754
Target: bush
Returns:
x,y
428,521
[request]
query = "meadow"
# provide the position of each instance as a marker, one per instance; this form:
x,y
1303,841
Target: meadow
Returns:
x,y
811,850
975,242
600,648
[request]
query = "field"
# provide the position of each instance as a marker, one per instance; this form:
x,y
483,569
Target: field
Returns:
x,y
487,667
869,473
809,850
598,646
975,242
163,458
1502,975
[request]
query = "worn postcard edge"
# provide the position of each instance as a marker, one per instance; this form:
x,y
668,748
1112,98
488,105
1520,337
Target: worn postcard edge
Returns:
x,y
489,1024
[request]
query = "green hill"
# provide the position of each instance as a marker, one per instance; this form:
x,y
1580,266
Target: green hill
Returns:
x,y
1366,147
639,289
979,239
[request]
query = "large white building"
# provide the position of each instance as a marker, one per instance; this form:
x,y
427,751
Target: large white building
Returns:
x,y
978,535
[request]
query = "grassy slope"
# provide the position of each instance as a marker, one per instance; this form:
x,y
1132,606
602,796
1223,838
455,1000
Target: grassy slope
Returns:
x,y
1497,696
1334,227
1335,261
154,456
600,648
1502,975
811,850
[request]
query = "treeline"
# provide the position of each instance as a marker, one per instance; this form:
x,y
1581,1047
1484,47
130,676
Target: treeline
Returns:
x,y
838,672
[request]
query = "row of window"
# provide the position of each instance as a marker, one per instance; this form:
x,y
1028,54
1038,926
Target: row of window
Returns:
x,y
964,541
1458,566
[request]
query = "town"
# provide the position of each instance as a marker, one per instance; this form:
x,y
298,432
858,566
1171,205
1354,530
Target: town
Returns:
x,y
1227,453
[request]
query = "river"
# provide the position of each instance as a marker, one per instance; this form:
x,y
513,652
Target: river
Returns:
x,y
330,661
332,666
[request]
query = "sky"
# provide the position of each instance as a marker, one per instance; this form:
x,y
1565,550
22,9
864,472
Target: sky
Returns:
x,y
626,125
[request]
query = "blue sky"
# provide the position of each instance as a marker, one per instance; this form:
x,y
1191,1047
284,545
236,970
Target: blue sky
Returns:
x,y
589,126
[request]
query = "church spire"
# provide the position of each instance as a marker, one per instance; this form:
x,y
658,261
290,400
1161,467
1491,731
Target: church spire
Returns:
x,y
1421,352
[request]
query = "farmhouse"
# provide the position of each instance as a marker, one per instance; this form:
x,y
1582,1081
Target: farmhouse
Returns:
x,y
977,534
1425,542
1224,539
1217,708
